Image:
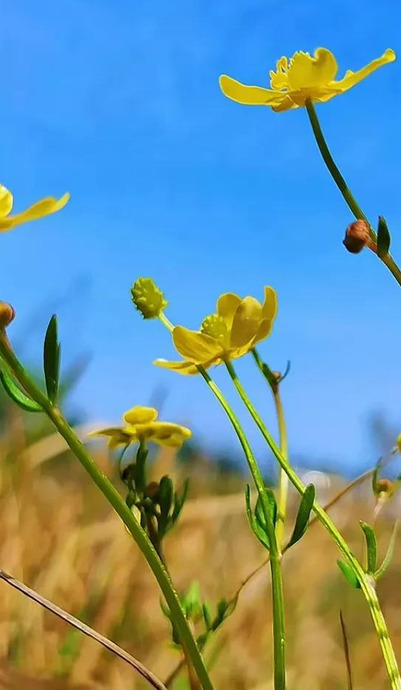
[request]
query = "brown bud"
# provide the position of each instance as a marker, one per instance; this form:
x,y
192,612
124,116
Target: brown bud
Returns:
x,y
384,486
357,236
7,314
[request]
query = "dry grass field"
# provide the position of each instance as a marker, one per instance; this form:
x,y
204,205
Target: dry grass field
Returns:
x,y
59,537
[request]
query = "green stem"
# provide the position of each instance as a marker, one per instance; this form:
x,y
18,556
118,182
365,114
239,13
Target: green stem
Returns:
x,y
282,431
275,556
343,187
116,501
366,582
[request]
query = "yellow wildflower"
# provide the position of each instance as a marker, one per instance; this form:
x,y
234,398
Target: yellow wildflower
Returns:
x,y
41,208
234,330
141,425
300,78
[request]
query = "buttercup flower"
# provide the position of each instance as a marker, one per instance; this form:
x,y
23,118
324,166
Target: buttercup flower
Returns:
x,y
300,78
141,425
42,208
234,330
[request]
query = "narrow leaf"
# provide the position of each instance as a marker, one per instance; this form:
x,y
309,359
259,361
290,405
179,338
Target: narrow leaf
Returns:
x,y
179,501
17,395
383,238
349,574
389,555
371,547
304,511
51,360
260,513
256,527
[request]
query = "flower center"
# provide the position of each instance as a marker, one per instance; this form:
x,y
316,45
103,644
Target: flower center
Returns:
x,y
215,326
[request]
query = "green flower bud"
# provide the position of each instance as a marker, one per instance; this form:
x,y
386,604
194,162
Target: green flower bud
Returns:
x,y
148,298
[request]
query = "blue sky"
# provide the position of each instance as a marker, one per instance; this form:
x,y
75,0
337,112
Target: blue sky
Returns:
x,y
119,104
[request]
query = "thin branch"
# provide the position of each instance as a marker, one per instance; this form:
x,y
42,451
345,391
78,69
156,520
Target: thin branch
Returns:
x,y
85,629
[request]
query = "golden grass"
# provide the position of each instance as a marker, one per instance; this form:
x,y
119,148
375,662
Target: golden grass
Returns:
x,y
59,537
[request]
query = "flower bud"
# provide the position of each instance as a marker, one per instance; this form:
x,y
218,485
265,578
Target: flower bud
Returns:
x,y
7,314
357,236
384,486
148,298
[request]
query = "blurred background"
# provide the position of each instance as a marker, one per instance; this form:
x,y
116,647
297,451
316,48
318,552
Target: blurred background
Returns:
x,y
119,104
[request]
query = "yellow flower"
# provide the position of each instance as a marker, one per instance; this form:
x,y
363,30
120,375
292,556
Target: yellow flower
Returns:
x,y
141,425
234,330
300,78
42,208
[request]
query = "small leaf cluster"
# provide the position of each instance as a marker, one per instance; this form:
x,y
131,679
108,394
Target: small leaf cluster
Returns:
x,y
374,571
257,517
158,503
200,613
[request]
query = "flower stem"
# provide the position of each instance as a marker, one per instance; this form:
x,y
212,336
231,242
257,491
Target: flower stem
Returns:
x,y
367,585
118,504
343,187
279,643
275,556
282,432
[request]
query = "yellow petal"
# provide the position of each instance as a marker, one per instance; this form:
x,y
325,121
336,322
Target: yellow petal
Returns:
x,y
353,78
118,435
186,368
42,208
249,95
269,308
195,346
6,201
246,322
264,331
168,434
227,305
306,71
140,415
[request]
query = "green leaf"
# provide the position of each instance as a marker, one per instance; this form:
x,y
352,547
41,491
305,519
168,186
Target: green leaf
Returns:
x,y
179,501
371,547
260,513
17,395
207,615
165,494
383,238
349,574
389,555
304,511
51,360
256,527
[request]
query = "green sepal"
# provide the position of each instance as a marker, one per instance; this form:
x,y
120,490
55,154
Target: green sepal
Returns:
x,y
383,238
389,555
349,574
304,511
371,547
51,360
17,395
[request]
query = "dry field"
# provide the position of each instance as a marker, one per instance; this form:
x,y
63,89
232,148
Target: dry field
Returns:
x,y
59,537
